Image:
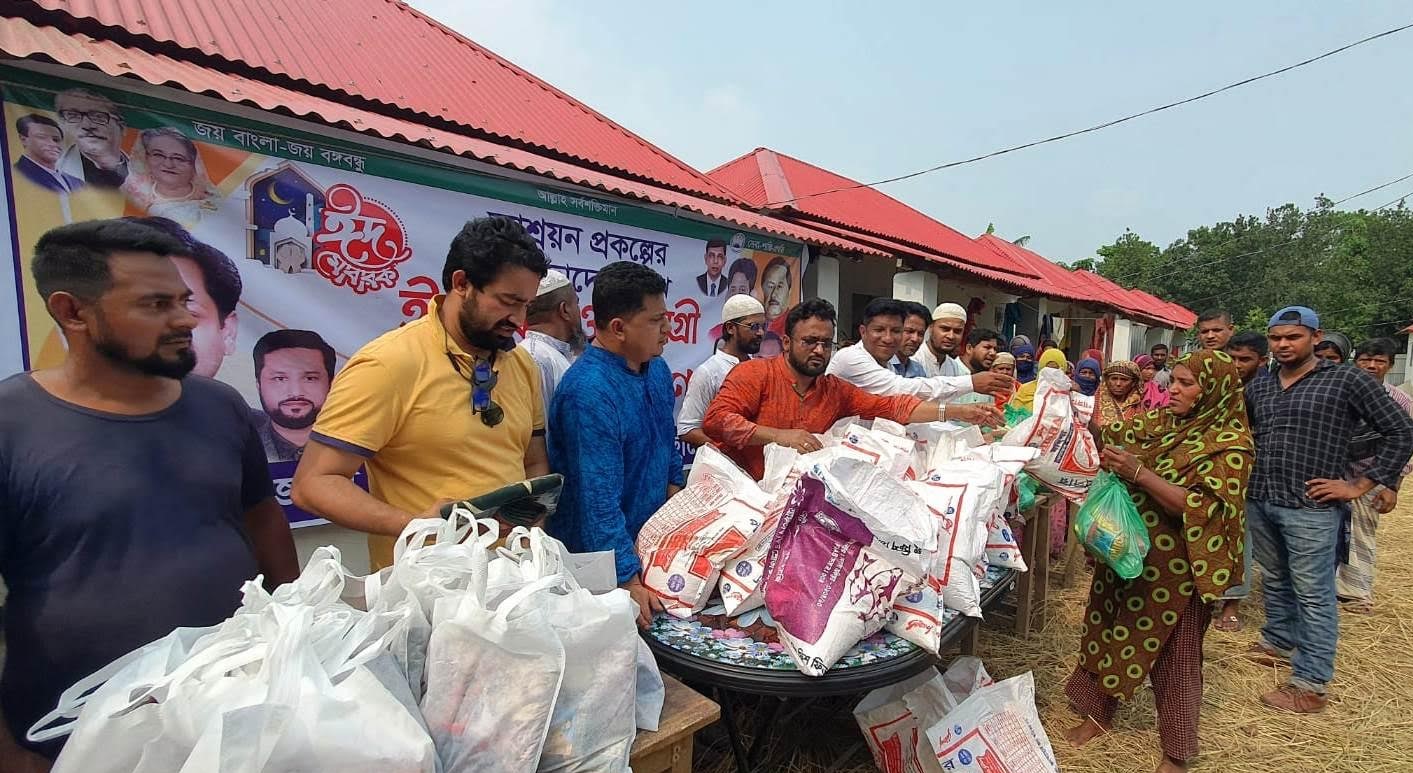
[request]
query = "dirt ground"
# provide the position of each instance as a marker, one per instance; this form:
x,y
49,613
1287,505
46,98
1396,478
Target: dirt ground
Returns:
x,y
1368,727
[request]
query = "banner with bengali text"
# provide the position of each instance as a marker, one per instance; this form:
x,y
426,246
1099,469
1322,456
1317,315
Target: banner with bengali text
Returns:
x,y
332,238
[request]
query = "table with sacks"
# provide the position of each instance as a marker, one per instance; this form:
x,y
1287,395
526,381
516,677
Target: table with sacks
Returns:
x,y
847,569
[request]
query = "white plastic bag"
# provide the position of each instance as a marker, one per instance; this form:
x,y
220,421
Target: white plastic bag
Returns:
x,y
493,677
685,543
995,730
1069,458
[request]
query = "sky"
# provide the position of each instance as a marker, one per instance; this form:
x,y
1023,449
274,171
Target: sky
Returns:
x,y
875,90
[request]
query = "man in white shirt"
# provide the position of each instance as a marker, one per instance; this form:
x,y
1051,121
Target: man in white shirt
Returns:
x,y
865,365
742,330
939,355
556,331
977,357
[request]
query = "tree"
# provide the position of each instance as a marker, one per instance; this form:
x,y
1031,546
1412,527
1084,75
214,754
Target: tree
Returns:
x,y
1353,267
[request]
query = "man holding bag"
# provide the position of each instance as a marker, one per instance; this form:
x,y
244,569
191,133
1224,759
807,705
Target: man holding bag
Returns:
x,y
439,409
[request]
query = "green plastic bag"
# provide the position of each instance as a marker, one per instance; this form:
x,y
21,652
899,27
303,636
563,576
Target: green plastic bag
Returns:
x,y
1014,415
1026,489
1110,527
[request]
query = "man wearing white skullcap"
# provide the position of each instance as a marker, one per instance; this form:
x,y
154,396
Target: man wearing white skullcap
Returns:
x,y
742,330
556,331
940,353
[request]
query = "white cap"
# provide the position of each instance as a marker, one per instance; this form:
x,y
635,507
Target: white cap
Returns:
x,y
949,311
738,306
553,281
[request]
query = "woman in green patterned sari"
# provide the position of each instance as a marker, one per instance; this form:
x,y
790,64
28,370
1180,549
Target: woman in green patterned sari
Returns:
x,y
1186,467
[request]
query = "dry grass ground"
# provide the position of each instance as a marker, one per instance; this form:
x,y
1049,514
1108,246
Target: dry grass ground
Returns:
x,y
1368,727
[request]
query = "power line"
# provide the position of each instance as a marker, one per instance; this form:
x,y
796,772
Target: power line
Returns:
x,y
1105,125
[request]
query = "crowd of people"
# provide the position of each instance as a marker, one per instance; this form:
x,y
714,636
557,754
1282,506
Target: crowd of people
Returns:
x,y
1228,459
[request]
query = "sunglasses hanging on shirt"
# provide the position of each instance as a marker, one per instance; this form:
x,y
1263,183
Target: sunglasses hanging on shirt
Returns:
x,y
483,379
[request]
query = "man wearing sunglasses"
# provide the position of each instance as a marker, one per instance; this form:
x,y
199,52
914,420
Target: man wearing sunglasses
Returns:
x,y
614,438
441,409
742,329
790,400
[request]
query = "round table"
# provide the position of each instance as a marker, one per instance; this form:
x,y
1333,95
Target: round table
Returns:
x,y
741,655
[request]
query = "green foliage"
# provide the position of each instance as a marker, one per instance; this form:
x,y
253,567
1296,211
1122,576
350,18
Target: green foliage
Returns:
x,y
1354,268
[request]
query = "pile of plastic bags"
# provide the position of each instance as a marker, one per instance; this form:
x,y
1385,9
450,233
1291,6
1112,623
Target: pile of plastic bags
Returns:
x,y
886,526
459,657
957,721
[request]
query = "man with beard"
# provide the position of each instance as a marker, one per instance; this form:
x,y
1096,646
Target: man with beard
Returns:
x,y
613,438
96,127
134,499
977,357
556,332
944,341
293,369
865,365
441,409
790,400
905,362
742,329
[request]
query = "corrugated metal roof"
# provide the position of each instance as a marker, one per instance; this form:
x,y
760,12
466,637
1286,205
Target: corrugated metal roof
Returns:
x,y
865,210
379,54
1091,288
19,38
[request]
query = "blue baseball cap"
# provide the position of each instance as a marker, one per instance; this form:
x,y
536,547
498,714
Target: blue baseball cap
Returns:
x,y
1288,316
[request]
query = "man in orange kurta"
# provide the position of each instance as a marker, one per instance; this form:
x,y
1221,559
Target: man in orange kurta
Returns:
x,y
787,400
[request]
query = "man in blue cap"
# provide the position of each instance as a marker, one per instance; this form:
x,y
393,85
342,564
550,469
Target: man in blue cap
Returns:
x,y
1303,420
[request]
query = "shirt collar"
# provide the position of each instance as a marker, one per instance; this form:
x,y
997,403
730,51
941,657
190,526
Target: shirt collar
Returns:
x,y
728,358
562,347
600,354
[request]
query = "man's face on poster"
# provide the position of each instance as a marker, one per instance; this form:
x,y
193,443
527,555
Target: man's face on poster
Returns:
x,y
775,287
214,338
293,386
44,144
715,261
92,123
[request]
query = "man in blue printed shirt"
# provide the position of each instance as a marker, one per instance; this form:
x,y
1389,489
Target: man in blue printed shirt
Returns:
x,y
613,431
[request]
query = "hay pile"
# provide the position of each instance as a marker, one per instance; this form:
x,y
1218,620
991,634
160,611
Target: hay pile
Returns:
x,y
1368,727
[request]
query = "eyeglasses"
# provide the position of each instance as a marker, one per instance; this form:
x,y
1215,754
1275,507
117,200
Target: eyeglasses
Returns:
x,y
159,157
811,344
483,380
754,327
95,117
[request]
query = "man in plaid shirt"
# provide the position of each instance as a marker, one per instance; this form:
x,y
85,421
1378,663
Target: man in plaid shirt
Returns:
x,y
1303,420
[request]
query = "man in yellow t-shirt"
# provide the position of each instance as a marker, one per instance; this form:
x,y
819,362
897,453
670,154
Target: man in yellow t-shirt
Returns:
x,y
444,408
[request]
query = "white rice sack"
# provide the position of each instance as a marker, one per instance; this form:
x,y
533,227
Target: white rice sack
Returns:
x,y
1069,458
995,730
894,454
920,615
943,441
898,519
1002,548
825,588
960,495
684,544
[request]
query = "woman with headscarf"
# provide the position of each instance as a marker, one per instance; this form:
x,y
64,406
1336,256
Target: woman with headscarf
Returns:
x,y
168,178
1186,468
1025,362
1086,376
1154,395
1119,399
1025,394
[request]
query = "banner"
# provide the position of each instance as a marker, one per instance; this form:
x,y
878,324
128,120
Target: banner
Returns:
x,y
331,239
